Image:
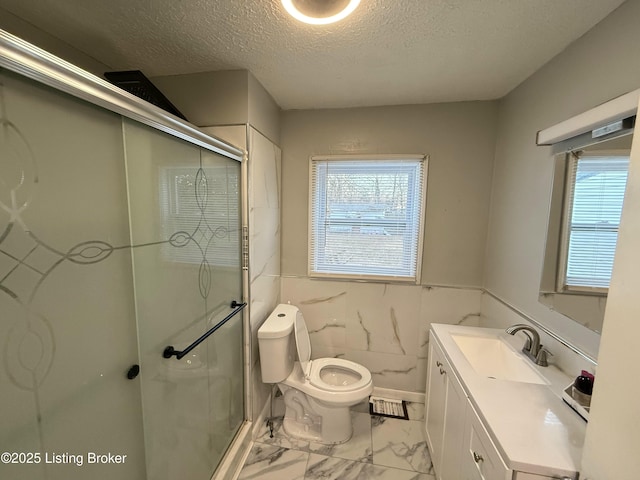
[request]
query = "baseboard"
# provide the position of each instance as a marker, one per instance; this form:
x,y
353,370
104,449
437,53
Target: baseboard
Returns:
x,y
414,397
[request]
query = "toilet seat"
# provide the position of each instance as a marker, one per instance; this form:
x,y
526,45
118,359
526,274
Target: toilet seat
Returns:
x,y
329,394
350,379
349,368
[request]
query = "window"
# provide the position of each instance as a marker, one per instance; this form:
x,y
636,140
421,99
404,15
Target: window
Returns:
x,y
200,211
594,195
366,216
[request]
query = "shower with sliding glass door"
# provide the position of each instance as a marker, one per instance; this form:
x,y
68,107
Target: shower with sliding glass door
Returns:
x,y
121,298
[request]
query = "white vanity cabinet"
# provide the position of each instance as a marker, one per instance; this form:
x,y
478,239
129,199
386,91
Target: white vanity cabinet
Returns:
x,y
474,423
445,415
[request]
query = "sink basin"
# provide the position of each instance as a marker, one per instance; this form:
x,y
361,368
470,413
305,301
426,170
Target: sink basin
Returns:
x,y
492,357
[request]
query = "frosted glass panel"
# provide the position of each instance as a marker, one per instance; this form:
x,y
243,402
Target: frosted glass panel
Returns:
x,y
116,240
185,226
67,317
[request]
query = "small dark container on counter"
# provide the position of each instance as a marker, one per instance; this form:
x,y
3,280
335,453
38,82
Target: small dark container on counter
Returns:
x,y
582,388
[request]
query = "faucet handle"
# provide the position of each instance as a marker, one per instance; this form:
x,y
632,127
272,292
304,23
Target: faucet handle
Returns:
x,y
541,357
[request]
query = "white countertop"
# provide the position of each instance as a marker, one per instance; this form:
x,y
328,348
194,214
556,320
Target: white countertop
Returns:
x,y
533,428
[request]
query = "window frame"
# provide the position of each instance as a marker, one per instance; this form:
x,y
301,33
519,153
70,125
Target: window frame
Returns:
x,y
562,286
415,279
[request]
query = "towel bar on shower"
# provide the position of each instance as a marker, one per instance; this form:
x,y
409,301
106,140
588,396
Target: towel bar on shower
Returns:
x,y
169,351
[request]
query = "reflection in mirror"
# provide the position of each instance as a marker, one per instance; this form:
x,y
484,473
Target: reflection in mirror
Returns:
x,y
586,202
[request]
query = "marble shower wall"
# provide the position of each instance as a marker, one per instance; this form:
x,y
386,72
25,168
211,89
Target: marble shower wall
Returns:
x,y
264,225
264,246
381,326
263,171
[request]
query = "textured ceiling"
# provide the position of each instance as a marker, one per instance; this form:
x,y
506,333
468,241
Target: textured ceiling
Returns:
x,y
388,52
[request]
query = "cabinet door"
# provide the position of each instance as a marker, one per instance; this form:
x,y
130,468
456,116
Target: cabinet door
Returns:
x,y
436,406
454,423
480,458
445,415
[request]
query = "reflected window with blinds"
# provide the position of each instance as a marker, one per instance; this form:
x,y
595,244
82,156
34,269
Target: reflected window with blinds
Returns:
x,y
593,206
367,216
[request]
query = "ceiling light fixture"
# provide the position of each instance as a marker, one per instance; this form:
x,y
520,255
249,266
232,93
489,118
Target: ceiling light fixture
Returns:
x,y
320,12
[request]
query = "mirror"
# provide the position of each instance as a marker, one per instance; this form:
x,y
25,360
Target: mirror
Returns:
x,y
586,201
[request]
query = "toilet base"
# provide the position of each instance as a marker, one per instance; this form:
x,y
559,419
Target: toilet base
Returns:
x,y
312,420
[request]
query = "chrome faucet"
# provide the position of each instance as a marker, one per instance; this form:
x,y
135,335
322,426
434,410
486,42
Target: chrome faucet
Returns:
x,y
532,348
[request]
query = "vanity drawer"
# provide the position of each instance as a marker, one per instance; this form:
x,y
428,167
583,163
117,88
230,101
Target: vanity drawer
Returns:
x,y
480,458
531,476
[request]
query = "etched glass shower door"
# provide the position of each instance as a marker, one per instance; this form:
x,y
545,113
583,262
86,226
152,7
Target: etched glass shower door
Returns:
x,y
67,318
184,206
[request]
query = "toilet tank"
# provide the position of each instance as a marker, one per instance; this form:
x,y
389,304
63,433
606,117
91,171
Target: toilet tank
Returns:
x,y
276,344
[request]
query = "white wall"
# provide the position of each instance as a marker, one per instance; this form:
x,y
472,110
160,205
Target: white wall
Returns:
x,y
459,139
230,97
209,98
597,67
263,111
18,27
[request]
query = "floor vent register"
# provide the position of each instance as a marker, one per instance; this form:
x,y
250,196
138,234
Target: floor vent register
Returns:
x,y
386,407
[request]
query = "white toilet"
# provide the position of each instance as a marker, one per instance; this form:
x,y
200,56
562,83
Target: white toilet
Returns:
x,y
317,393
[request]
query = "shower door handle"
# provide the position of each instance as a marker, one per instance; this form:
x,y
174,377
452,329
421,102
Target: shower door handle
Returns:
x,y
169,351
133,372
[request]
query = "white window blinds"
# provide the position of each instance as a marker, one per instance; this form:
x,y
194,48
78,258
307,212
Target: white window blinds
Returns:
x,y
366,216
200,213
596,192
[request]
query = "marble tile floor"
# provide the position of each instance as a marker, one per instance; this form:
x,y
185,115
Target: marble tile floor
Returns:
x,y
381,448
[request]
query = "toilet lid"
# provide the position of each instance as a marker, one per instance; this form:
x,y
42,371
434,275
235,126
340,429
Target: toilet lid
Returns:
x,y
302,342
